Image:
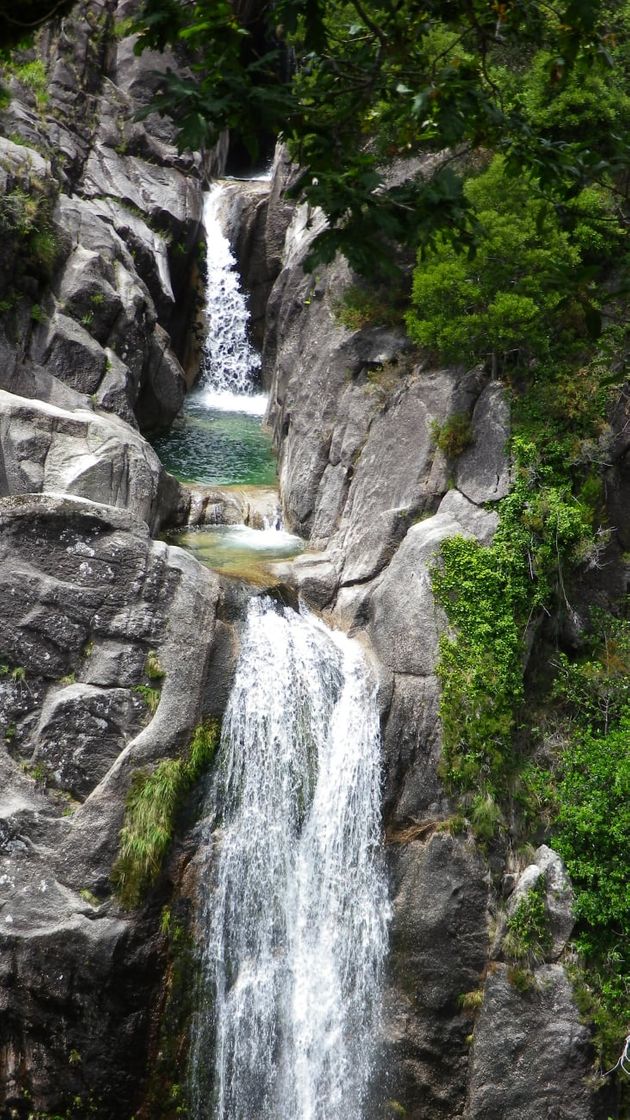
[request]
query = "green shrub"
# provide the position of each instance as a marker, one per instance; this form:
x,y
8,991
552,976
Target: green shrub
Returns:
x,y
19,212
511,299
151,810
361,306
592,832
489,595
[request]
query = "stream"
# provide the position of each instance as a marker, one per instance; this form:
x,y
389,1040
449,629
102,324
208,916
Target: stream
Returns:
x,y
293,911
220,439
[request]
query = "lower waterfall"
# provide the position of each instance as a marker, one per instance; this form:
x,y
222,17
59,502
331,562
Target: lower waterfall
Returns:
x,y
295,913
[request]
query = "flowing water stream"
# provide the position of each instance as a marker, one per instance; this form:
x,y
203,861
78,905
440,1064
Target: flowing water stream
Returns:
x,y
293,912
219,438
295,915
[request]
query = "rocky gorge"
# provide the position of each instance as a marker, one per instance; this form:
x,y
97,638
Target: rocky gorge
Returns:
x,y
116,646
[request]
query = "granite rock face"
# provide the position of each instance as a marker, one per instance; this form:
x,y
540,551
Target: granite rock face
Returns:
x,y
98,285
357,417
98,234
86,595
529,1052
47,448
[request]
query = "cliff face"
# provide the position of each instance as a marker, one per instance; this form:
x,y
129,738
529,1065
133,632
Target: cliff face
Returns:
x,y
99,226
354,413
100,223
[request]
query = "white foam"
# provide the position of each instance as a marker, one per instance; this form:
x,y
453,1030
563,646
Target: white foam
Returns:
x,y
224,400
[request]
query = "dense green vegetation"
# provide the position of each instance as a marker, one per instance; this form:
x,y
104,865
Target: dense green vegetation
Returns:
x,y
352,86
542,306
153,802
529,288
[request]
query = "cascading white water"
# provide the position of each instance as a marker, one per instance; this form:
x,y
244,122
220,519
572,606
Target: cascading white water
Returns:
x,y
295,915
230,361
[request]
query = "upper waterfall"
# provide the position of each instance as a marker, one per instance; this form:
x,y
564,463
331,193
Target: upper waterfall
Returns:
x,y
229,362
295,911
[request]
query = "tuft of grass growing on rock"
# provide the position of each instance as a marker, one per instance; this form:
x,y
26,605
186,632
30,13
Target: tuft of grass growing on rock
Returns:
x,y
153,667
527,936
153,802
32,75
472,1001
150,696
454,435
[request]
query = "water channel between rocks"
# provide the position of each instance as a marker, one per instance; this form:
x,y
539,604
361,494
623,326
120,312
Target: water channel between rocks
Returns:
x,y
293,901
219,439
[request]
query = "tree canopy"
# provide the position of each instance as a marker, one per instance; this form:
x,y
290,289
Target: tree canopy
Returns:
x,y
353,87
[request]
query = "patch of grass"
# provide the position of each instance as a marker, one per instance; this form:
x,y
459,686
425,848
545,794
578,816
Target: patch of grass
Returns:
x,y
486,816
32,75
150,696
520,978
472,1001
527,935
44,248
38,315
153,668
38,771
152,806
454,435
89,897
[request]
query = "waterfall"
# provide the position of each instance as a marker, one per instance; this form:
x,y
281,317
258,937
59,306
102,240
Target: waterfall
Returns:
x,y
229,362
295,914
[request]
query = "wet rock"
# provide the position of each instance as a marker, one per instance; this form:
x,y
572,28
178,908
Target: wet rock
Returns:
x,y
411,750
67,350
396,476
162,193
163,386
81,732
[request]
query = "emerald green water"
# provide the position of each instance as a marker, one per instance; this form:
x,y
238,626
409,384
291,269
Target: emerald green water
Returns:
x,y
212,446
237,550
